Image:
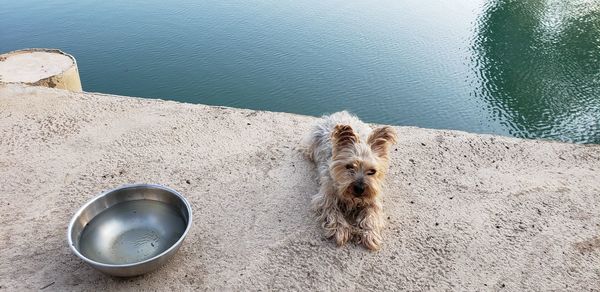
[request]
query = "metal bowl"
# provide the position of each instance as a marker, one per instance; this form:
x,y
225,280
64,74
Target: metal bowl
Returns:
x,y
130,230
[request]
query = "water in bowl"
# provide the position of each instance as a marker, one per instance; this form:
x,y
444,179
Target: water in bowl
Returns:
x,y
131,232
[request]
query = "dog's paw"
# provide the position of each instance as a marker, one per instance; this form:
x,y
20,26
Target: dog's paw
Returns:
x,y
371,240
342,235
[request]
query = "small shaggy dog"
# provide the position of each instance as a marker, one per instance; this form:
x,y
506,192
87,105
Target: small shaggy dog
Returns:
x,y
351,160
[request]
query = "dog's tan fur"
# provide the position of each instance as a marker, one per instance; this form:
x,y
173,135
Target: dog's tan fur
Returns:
x,y
351,160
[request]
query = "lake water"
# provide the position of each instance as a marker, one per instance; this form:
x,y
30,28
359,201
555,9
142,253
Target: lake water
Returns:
x,y
520,68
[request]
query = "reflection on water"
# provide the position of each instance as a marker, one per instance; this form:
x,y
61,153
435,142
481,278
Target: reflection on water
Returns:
x,y
538,65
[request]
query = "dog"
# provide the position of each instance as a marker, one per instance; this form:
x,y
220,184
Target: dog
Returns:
x,y
351,160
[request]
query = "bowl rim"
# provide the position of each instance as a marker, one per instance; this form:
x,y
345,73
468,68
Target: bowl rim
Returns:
x,y
126,186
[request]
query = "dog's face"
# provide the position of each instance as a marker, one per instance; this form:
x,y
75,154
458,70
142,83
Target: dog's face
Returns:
x,y
358,167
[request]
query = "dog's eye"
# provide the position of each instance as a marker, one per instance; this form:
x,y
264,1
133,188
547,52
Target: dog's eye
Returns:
x,y
349,166
371,172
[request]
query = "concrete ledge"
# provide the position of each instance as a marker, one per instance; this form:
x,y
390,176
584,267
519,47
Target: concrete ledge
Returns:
x,y
40,67
466,211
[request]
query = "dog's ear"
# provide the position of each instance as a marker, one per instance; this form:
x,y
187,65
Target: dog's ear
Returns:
x,y
381,139
343,137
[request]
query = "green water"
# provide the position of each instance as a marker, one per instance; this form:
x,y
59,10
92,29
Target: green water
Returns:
x,y
520,68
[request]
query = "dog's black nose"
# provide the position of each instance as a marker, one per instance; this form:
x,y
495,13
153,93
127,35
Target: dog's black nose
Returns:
x,y
358,188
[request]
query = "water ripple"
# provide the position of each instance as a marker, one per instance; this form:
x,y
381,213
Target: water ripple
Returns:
x,y
537,62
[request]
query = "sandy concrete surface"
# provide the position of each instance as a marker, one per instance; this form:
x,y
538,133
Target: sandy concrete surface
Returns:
x,y
465,212
41,67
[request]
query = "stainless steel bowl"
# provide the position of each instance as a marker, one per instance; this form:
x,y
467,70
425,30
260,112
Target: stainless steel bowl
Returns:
x,y
130,230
